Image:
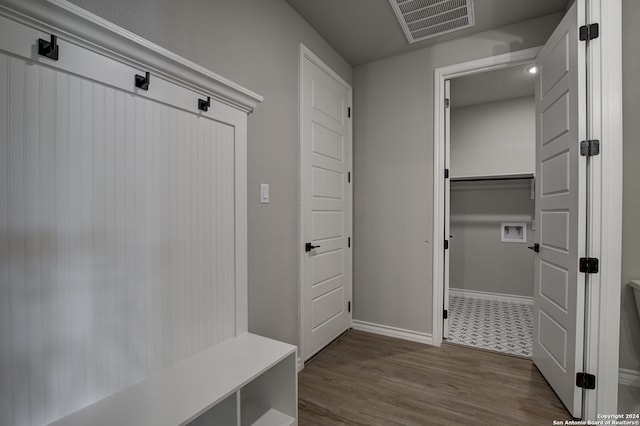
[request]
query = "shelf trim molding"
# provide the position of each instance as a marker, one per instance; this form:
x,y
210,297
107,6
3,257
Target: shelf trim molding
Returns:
x,y
78,26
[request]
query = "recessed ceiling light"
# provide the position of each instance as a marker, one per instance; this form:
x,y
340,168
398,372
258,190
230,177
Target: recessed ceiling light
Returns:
x,y
532,69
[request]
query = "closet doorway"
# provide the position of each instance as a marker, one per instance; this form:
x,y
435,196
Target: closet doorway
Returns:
x,y
577,206
491,210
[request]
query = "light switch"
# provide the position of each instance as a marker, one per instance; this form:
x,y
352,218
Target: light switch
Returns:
x,y
264,193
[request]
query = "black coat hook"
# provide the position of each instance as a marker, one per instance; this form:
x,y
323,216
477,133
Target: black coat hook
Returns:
x,y
48,48
142,81
204,105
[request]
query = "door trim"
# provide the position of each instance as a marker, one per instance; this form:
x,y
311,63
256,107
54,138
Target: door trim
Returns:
x,y
305,52
446,254
440,75
604,87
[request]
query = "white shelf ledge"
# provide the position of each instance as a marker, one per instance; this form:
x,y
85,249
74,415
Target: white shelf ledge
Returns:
x,y
493,177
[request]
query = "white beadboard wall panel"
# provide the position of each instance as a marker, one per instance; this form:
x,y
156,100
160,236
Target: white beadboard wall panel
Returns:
x,y
117,247
34,245
6,379
17,232
47,222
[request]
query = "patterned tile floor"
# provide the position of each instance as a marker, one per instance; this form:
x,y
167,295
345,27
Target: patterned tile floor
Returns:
x,y
491,324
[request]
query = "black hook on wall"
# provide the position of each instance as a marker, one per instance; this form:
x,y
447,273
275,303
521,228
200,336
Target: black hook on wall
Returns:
x,y
142,81
48,48
204,105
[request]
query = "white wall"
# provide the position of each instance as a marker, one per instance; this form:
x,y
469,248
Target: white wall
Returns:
x,y
496,138
479,260
393,172
629,321
255,44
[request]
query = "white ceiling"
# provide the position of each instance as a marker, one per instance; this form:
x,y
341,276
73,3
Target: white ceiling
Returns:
x,y
367,30
492,86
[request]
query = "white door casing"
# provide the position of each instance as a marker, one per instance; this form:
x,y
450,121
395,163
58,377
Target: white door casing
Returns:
x,y
560,210
604,109
326,204
447,202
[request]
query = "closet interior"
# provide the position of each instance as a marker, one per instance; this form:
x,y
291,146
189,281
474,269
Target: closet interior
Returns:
x,y
492,211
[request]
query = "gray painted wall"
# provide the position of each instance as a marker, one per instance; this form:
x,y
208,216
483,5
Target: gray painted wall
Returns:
x,y
393,172
255,44
495,138
479,260
392,142
629,322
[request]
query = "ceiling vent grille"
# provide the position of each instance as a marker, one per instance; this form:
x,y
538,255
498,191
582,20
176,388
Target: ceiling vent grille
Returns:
x,y
422,19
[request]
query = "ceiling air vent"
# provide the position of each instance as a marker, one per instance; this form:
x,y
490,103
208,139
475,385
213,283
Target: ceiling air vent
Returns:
x,y
422,19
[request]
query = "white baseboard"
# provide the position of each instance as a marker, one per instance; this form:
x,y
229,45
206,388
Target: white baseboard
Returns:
x,y
400,333
629,377
491,296
300,363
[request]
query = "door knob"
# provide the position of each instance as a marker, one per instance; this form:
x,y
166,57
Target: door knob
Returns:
x,y
309,247
535,247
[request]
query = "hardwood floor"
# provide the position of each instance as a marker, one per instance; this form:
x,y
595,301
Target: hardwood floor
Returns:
x,y
367,379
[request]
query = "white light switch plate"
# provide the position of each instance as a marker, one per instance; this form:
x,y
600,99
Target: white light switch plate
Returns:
x,y
264,193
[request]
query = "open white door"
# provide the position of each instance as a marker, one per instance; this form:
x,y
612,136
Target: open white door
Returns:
x,y
447,201
325,193
560,210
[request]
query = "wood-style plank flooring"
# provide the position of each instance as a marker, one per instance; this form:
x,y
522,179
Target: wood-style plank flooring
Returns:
x,y
367,379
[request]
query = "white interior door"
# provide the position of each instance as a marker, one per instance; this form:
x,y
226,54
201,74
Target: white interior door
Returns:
x,y
325,149
447,202
560,210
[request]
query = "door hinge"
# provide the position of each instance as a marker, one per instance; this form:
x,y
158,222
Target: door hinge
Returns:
x,y
349,112
589,32
585,381
446,173
445,314
349,242
590,148
349,306
446,103
589,265
446,244
348,177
